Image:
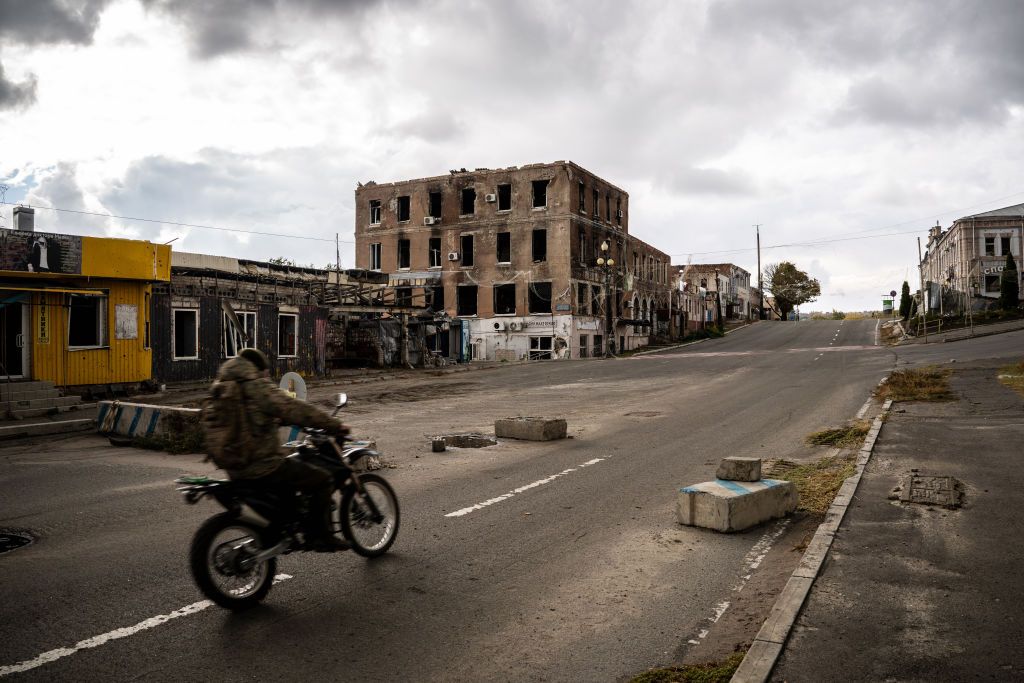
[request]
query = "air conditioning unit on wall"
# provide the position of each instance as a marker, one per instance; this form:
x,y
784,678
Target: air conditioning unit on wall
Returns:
x,y
491,198
453,256
515,326
430,220
499,325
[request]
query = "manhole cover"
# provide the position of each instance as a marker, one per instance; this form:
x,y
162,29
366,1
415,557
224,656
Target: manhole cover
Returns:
x,y
12,540
930,490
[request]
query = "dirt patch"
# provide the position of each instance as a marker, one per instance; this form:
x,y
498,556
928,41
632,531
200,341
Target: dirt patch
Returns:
x,y
1013,376
850,436
816,482
708,672
919,384
367,399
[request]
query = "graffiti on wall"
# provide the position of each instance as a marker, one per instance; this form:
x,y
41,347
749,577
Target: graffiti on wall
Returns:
x,y
40,252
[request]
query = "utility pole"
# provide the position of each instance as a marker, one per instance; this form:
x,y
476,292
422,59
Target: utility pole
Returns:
x,y
337,265
760,289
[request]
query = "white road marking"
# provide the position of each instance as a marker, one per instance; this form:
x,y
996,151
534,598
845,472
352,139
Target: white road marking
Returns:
x,y
527,487
116,634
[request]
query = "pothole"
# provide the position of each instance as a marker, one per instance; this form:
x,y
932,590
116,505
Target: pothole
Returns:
x,y
11,539
463,441
929,490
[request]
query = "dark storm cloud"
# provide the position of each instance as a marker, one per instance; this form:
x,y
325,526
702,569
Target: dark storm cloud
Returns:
x,y
16,95
33,22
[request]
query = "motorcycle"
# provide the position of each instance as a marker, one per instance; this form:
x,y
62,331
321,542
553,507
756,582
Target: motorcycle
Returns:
x,y
234,554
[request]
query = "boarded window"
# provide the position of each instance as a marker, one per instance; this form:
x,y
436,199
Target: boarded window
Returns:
x,y
467,250
540,193
435,204
87,323
540,348
235,339
375,256
540,297
504,197
468,201
504,247
287,335
403,208
505,299
126,321
374,212
403,254
540,245
186,334
466,304
435,252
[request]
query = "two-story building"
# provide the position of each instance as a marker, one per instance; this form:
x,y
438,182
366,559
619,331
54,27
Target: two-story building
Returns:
x,y
524,262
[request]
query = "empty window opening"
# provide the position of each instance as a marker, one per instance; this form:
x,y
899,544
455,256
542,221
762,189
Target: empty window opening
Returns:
x,y
540,348
582,299
540,297
608,208
540,245
540,193
403,254
1004,245
584,342
436,301
597,204
374,212
583,247
504,247
435,204
186,334
595,300
87,321
467,250
598,345
287,335
466,303
468,201
375,256
583,197
403,209
505,299
504,197
403,296
992,283
237,339
435,252
990,246
618,210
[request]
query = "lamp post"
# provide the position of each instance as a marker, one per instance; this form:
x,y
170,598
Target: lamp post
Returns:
x,y
606,262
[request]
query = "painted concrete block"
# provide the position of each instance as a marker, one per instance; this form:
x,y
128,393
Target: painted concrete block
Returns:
x,y
530,428
733,505
117,418
739,469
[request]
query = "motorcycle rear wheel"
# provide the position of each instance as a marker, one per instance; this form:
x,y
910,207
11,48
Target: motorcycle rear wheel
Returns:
x,y
370,538
218,558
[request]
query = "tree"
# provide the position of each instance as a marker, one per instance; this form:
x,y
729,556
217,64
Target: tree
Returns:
x,y
906,302
1009,288
790,287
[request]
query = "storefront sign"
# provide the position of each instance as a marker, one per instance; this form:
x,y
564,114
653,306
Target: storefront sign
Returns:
x,y
43,333
994,269
40,252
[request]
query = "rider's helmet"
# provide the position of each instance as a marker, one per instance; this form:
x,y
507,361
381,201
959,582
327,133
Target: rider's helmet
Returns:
x,y
256,357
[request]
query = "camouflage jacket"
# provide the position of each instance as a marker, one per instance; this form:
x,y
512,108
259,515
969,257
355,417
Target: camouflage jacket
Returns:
x,y
267,408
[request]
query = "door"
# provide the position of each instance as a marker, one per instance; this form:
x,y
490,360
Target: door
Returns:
x,y
12,340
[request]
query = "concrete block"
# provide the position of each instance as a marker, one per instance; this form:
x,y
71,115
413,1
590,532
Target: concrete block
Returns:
x,y
734,506
739,469
437,444
530,428
117,418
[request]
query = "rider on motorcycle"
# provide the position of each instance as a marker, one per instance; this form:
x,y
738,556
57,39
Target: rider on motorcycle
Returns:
x,y
266,407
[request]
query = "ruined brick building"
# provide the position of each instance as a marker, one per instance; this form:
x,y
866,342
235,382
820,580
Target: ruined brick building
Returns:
x,y
508,260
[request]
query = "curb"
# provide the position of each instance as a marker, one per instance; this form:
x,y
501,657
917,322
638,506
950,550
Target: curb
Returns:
x,y
679,346
760,659
982,333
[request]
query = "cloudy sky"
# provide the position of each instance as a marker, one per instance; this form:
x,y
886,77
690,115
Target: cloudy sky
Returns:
x,y
844,128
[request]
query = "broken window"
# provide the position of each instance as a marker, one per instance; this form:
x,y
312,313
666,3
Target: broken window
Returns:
x,y
582,298
87,321
403,296
287,335
504,247
237,339
403,209
1004,246
468,201
374,212
504,197
584,341
186,334
505,299
540,194
992,283
595,300
540,245
540,348
467,250
435,252
403,254
375,256
466,304
436,298
435,204
583,197
583,247
990,246
598,345
540,297
597,204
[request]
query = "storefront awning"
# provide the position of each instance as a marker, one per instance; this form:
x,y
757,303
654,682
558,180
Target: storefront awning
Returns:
x,y
56,290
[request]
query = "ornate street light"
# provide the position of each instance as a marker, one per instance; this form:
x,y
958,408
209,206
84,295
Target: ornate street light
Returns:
x,y
605,262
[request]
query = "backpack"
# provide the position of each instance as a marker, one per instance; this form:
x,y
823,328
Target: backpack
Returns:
x,y
226,426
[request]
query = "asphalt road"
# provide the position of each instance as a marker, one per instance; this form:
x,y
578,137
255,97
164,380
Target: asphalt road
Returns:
x,y
585,576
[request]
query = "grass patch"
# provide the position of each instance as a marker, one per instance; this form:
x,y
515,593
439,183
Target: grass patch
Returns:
x,y
1013,376
919,384
711,672
850,436
816,482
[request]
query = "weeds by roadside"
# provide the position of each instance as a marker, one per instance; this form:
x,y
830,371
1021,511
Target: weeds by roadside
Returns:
x,y
850,436
711,672
1013,376
818,482
919,384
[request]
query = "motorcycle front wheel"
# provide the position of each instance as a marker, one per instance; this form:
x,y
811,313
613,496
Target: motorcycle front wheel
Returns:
x,y
222,562
369,520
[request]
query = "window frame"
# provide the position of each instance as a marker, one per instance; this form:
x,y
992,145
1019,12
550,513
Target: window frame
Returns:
x,y
375,211
533,244
537,350
242,317
408,254
499,193
458,301
466,192
174,333
102,322
541,184
533,295
375,254
504,236
466,263
503,287
408,208
432,253
295,345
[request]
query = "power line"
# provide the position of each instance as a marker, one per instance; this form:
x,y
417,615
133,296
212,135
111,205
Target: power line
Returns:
x,y
178,224
797,244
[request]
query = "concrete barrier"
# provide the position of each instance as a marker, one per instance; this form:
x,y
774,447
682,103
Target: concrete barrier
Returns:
x,y
739,469
116,418
733,505
530,428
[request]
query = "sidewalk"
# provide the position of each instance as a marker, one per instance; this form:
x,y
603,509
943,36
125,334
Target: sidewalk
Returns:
x,y
965,333
914,592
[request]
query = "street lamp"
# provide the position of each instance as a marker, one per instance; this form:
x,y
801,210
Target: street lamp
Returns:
x,y
607,263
